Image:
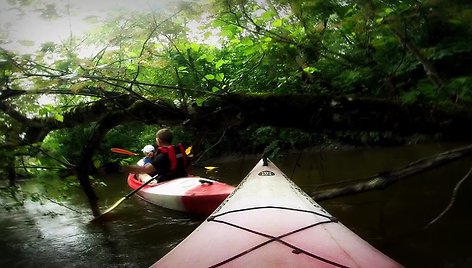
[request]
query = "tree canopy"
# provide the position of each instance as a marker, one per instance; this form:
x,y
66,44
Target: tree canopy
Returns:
x,y
394,68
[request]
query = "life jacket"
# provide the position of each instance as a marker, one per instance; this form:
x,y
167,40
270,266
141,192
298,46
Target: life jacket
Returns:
x,y
177,159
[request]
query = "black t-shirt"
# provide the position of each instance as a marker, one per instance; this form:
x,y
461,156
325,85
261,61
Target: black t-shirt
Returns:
x,y
161,164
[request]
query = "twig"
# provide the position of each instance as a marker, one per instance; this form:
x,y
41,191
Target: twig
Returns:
x,y
41,167
451,202
61,204
211,147
67,164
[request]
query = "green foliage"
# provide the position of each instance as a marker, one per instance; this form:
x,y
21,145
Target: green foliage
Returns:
x,y
460,89
274,141
12,198
45,188
67,144
410,97
379,48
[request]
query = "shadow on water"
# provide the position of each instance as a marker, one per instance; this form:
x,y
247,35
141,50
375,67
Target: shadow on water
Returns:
x,y
136,234
51,235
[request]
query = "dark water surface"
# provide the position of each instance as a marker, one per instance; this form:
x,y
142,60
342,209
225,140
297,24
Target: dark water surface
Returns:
x,y
137,234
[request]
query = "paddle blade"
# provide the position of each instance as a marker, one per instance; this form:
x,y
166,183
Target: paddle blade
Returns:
x,y
188,151
111,208
210,168
114,205
123,151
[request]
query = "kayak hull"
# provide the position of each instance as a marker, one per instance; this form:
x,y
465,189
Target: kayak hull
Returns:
x,y
270,222
195,195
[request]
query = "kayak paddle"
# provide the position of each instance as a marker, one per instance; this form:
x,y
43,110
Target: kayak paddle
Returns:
x,y
188,151
123,151
156,177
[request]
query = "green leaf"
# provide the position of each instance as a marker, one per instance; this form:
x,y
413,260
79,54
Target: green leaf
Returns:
x,y
218,23
59,117
250,50
229,30
215,89
203,57
220,76
310,70
199,102
388,11
43,111
211,58
268,14
210,77
207,57
195,47
219,64
277,23
247,42
182,69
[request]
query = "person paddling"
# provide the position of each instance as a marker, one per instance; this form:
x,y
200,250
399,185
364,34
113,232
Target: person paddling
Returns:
x,y
169,161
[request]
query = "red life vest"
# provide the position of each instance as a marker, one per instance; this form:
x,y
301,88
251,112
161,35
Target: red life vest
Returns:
x,y
174,157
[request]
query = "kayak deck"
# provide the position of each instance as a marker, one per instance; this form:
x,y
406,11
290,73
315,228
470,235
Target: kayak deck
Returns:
x,y
268,221
194,195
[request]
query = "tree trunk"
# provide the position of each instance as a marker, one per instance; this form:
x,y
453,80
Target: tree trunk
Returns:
x,y
427,65
85,166
11,171
11,143
328,114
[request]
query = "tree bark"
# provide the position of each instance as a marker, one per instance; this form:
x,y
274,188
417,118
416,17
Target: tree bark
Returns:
x,y
428,67
11,143
307,112
324,114
85,166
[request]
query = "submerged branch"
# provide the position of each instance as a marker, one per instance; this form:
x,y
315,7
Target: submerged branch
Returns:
x,y
451,202
382,180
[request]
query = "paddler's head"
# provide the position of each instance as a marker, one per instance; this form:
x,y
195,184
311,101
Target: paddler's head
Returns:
x,y
164,137
148,150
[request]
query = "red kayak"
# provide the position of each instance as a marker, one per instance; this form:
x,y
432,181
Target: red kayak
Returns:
x,y
270,222
195,195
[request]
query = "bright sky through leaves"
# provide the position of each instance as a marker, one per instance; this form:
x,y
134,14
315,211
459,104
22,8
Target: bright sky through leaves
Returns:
x,y
26,24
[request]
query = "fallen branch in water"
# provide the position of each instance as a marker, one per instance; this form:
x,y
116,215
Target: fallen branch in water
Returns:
x,y
383,179
451,202
61,204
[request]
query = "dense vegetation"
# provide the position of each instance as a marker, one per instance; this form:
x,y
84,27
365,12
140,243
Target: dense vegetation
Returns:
x,y
306,73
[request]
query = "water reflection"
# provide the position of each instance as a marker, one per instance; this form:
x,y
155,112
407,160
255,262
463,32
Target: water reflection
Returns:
x,y
51,235
37,234
137,233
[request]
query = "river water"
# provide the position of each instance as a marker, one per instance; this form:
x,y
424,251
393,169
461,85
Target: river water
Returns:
x,y
137,234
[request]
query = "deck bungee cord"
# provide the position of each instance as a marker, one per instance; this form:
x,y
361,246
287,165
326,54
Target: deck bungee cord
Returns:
x,y
296,250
